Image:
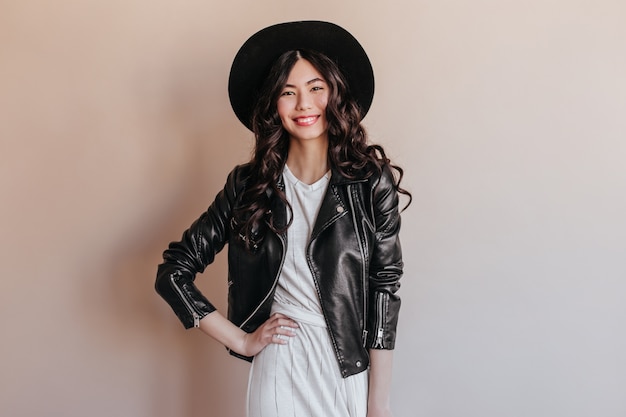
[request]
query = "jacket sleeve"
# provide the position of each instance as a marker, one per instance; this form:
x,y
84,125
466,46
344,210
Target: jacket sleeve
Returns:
x,y
191,255
385,265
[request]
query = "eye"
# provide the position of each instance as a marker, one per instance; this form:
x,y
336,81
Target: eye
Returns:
x,y
317,88
287,93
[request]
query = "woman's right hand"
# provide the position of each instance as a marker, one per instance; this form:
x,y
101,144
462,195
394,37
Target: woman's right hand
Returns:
x,y
277,329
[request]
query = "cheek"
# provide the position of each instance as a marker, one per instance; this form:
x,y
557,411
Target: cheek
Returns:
x,y
322,102
281,108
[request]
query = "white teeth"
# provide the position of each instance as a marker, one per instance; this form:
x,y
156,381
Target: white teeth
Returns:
x,y
305,120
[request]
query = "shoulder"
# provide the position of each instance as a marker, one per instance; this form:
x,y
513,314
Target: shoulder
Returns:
x,y
236,182
239,175
385,178
380,178
384,189
240,172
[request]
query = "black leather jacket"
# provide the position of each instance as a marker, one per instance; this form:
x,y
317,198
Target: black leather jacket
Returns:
x,y
354,254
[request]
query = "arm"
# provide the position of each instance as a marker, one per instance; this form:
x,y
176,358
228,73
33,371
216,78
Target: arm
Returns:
x,y
196,249
385,272
378,401
248,344
386,265
191,255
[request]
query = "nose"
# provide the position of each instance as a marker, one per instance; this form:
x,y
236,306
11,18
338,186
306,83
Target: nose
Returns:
x,y
303,103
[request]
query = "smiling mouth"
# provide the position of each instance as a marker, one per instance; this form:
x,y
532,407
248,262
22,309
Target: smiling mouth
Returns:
x,y
306,121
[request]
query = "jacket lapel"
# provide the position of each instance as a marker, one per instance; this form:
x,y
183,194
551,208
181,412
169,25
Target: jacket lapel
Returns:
x,y
332,208
333,205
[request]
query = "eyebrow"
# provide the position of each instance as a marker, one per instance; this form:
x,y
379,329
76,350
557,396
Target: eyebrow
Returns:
x,y
314,80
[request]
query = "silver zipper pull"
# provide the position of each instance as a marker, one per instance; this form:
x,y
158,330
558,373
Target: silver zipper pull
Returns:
x,y
379,338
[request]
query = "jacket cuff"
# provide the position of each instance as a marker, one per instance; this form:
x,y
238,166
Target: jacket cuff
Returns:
x,y
184,298
382,321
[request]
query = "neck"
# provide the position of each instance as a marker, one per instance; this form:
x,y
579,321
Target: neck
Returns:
x,y
308,161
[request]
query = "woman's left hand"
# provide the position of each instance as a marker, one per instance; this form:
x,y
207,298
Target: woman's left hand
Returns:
x,y
277,329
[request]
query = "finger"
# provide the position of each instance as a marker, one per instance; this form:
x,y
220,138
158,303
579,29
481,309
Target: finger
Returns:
x,y
285,330
281,334
280,339
285,322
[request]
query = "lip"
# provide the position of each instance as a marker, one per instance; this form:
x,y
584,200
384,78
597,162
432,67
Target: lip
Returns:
x,y
306,120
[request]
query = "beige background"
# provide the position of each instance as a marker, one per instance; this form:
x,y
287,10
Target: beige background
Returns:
x,y
508,116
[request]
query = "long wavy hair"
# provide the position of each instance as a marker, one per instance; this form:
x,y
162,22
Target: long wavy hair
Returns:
x,y
348,150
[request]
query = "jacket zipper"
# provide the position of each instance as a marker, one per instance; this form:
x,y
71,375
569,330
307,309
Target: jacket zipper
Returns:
x,y
319,296
380,331
282,261
194,313
364,278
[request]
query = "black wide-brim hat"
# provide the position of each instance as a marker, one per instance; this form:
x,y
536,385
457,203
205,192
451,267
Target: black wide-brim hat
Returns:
x,y
255,58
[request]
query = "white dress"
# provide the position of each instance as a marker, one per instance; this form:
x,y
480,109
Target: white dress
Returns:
x,y
302,378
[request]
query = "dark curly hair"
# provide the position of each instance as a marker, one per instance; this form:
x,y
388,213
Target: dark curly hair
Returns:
x,y
348,151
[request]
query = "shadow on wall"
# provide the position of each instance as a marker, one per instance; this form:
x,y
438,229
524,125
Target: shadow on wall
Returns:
x,y
190,374
203,368
188,368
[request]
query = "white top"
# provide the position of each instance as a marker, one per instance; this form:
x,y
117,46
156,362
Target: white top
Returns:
x,y
302,378
296,285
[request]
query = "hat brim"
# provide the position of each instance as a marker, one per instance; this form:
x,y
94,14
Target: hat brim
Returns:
x,y
255,58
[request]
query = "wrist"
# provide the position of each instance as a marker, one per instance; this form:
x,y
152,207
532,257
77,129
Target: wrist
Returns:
x,y
378,404
378,410
243,344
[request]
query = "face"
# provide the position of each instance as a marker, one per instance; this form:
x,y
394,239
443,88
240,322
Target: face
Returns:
x,y
302,103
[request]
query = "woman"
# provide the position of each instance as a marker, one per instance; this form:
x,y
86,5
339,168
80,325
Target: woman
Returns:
x,y
312,226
